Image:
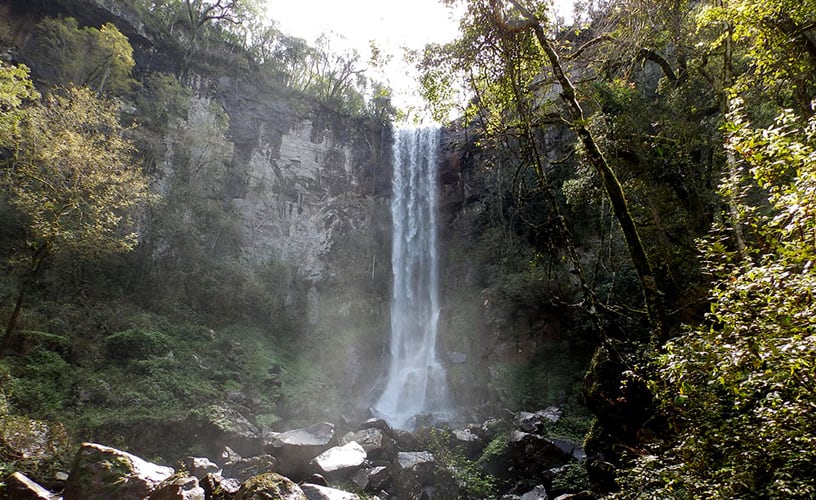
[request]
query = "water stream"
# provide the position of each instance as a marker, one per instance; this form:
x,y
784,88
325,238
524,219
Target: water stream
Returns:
x,y
415,382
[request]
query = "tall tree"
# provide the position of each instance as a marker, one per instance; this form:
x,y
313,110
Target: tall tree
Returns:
x,y
71,174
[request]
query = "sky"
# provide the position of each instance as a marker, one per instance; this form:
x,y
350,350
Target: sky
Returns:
x,y
392,24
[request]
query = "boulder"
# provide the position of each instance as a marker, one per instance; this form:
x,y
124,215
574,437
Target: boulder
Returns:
x,y
101,473
535,422
319,434
217,487
376,442
526,457
244,468
21,487
199,467
316,492
223,426
371,479
537,493
376,423
340,461
412,472
269,486
294,449
469,442
569,447
178,487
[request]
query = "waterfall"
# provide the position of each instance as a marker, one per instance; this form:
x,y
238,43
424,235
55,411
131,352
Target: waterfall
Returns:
x,y
416,379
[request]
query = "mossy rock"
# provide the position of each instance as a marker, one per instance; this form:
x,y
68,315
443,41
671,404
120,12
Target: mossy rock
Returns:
x,y
102,473
270,486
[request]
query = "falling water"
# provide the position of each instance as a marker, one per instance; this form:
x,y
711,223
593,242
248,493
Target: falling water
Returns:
x,y
416,380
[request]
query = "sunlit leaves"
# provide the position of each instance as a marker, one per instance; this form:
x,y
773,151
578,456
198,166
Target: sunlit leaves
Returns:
x,y
16,90
98,58
742,391
72,175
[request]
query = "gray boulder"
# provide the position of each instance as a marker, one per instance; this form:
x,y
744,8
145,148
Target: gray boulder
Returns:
x,y
535,422
199,467
217,487
340,461
244,468
178,487
101,473
469,442
412,472
371,479
317,492
375,441
224,426
296,448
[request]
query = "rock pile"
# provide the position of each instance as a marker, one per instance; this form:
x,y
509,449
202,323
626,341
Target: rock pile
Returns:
x,y
308,464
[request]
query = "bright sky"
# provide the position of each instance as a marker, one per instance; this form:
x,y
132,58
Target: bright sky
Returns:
x,y
392,24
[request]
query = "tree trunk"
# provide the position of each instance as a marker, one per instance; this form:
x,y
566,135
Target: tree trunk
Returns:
x,y
12,322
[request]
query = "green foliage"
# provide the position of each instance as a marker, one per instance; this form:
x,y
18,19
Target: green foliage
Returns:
x,y
740,390
84,57
16,92
136,344
71,174
457,477
571,477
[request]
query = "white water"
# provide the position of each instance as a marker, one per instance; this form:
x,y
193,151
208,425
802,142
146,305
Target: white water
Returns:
x,y
416,382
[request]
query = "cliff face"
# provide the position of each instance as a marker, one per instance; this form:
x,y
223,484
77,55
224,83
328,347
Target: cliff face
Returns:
x,y
303,187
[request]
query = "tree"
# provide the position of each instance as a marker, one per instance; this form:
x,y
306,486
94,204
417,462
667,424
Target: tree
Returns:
x,y
71,174
98,58
525,57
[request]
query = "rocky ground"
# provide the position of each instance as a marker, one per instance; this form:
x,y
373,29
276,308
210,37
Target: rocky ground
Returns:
x,y
517,457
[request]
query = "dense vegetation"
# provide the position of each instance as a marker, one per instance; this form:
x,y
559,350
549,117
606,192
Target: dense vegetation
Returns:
x,y
691,165
646,173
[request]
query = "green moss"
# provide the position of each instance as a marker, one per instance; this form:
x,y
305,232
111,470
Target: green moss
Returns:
x,y
269,486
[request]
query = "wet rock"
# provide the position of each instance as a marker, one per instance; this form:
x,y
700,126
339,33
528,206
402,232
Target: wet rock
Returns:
x,y
217,487
101,473
317,492
319,434
376,423
340,461
21,487
229,455
244,468
226,427
406,440
535,422
376,442
526,456
413,471
199,467
317,479
570,448
537,493
469,442
294,449
269,486
178,487
371,479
